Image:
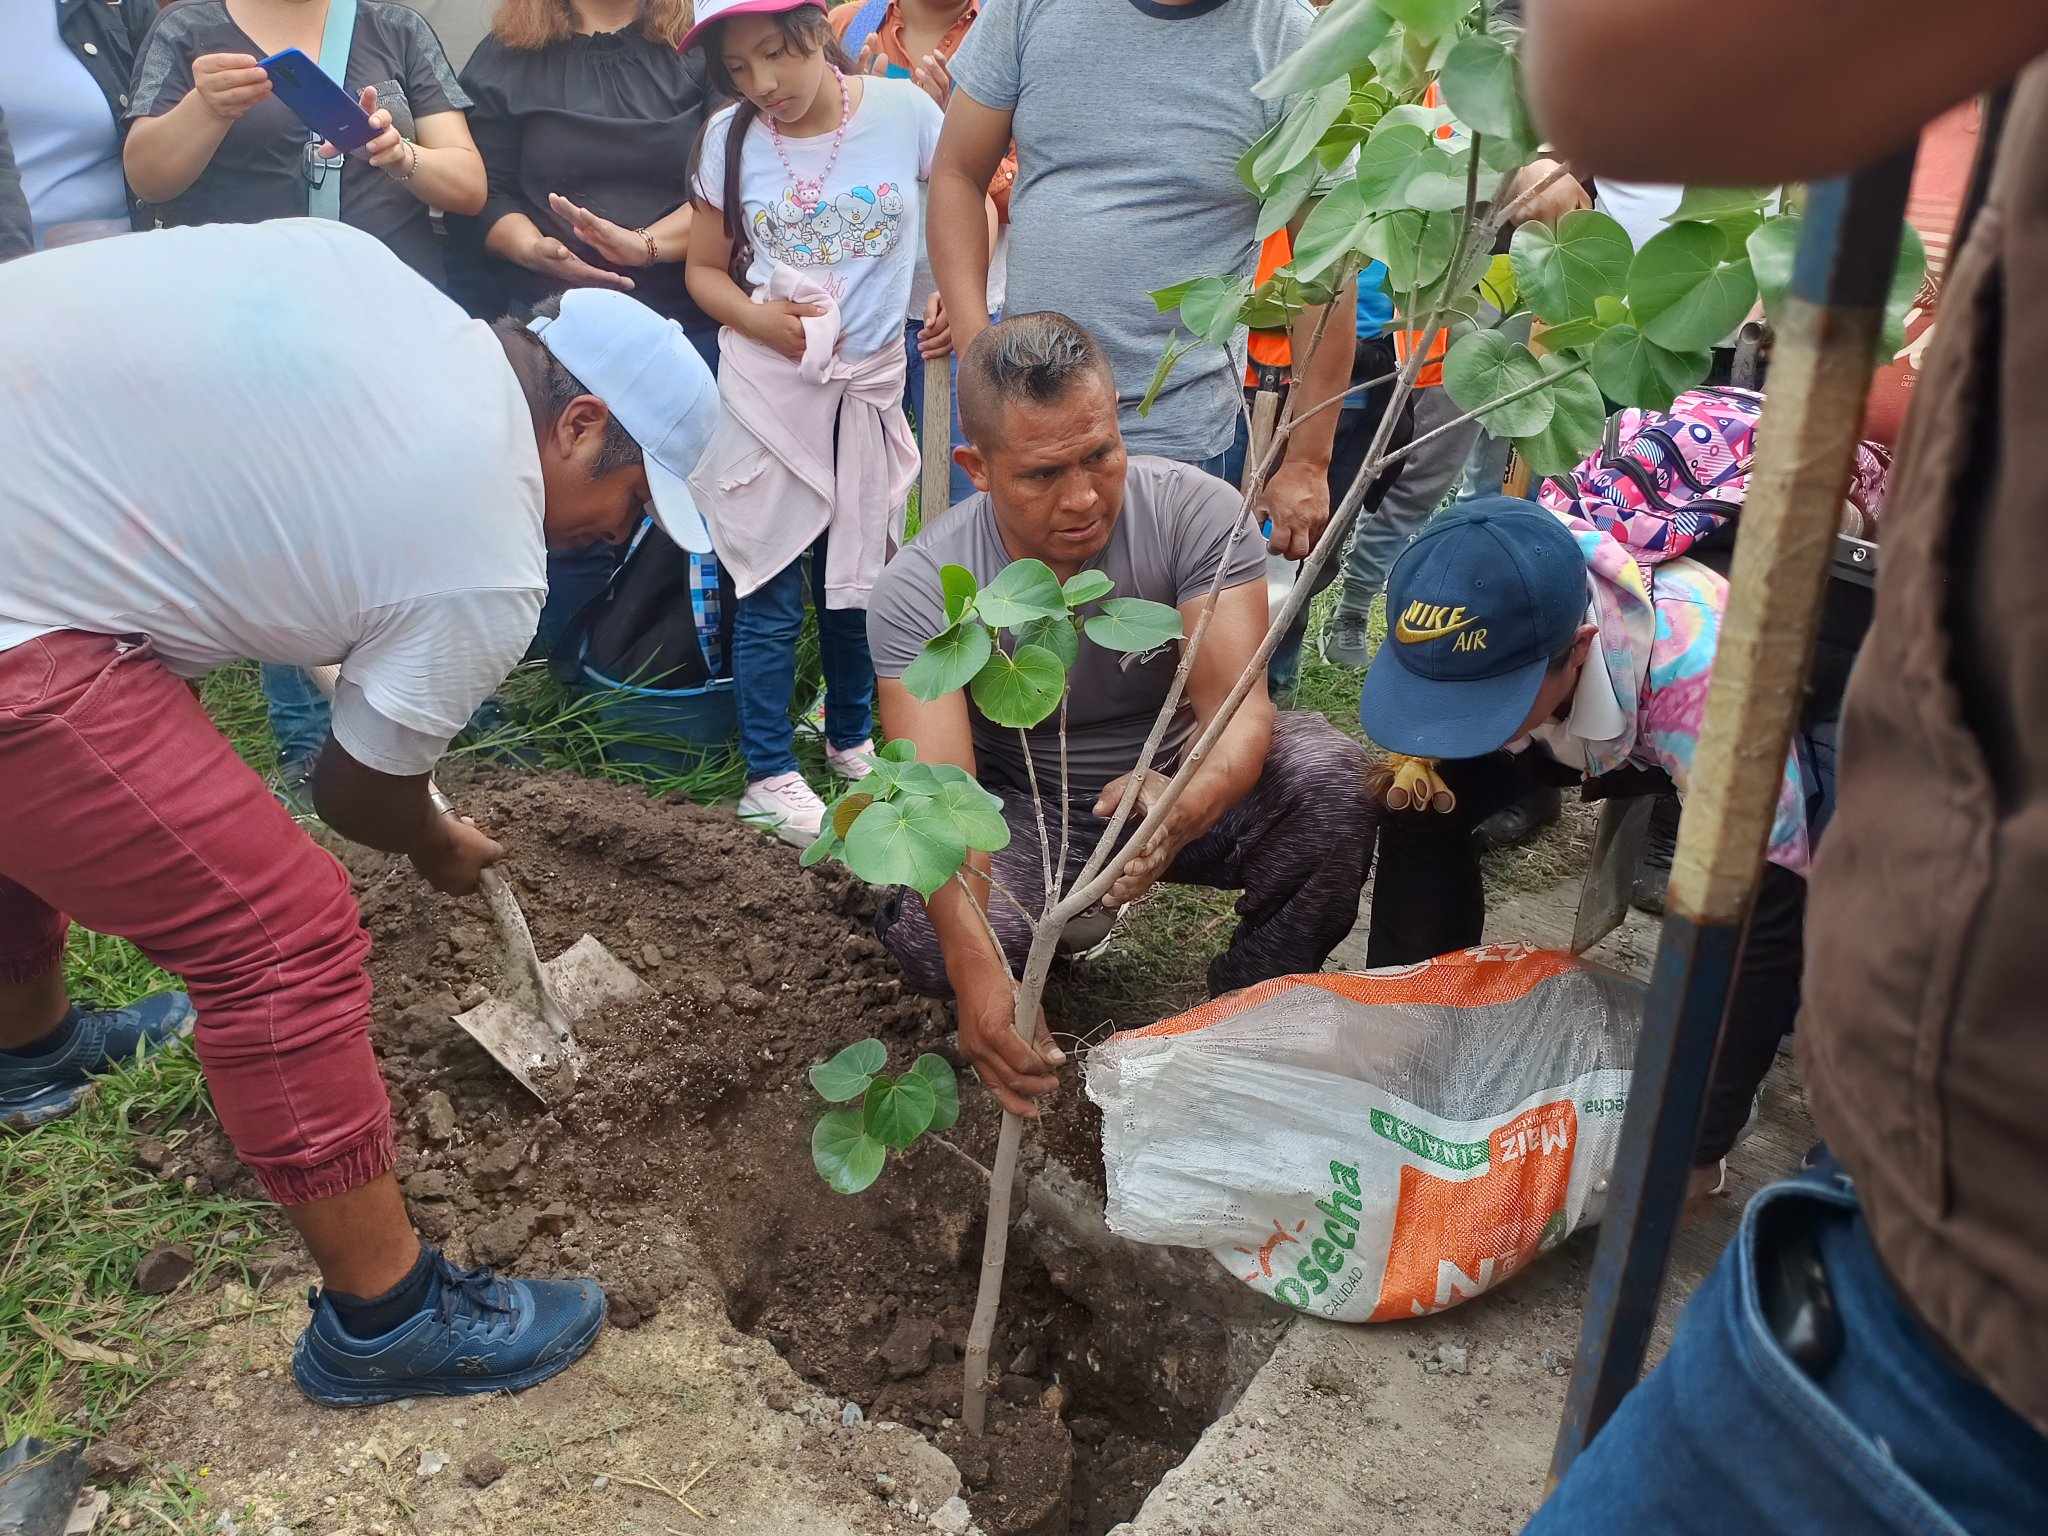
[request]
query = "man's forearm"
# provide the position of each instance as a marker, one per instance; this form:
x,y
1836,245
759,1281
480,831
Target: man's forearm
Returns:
x,y
374,809
957,233
1232,768
1321,376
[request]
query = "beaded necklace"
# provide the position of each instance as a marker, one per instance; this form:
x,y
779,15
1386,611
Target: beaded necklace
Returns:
x,y
808,191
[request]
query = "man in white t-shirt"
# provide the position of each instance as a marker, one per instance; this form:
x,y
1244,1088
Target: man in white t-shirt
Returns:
x,y
316,460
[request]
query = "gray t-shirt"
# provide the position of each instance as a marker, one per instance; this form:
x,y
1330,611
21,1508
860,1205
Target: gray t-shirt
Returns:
x,y
1175,525
1125,186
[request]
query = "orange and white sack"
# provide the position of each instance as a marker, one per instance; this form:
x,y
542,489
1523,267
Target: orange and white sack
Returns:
x,y
1380,1145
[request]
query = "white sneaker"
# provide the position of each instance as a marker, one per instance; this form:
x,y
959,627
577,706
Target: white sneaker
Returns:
x,y
850,763
786,806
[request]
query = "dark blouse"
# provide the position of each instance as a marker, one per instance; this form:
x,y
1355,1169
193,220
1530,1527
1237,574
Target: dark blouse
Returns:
x,y
609,121
259,172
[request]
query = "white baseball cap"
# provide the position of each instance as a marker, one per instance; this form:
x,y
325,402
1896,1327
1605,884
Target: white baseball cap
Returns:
x,y
646,372
708,11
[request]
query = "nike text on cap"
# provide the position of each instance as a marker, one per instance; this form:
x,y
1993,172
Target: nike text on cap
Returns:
x,y
649,376
1476,608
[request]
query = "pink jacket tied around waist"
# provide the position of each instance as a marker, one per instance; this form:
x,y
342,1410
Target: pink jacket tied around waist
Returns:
x,y
769,483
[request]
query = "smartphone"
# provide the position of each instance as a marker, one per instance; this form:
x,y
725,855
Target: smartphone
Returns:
x,y
317,101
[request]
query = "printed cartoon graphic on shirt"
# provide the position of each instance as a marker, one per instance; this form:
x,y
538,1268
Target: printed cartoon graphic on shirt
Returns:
x,y
863,222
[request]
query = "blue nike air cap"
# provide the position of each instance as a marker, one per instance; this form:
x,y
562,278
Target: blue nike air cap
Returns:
x,y
1476,608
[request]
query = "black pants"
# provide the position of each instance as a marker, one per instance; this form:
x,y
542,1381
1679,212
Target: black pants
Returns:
x,y
1428,900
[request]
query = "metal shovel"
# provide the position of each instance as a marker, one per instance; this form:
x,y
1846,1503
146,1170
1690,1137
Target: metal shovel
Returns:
x,y
527,1029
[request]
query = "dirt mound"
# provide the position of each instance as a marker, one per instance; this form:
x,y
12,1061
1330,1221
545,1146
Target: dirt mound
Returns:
x,y
688,1143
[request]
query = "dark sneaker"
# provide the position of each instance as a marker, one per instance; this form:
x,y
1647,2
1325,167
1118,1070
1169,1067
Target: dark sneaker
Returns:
x,y
49,1085
292,785
477,1334
1517,822
1343,642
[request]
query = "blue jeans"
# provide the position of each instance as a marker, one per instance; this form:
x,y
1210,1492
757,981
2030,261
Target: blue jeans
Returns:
x,y
764,635
299,715
958,486
1730,1433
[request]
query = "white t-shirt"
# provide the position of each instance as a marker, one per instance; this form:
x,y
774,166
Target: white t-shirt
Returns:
x,y
860,237
274,441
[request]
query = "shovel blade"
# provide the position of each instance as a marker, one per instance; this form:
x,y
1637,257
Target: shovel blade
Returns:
x,y
583,978
1618,847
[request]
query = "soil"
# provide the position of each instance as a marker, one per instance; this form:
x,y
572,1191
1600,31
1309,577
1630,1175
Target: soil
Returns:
x,y
686,1148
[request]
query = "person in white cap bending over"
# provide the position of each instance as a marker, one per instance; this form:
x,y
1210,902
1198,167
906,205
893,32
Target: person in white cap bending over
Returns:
x,y
283,499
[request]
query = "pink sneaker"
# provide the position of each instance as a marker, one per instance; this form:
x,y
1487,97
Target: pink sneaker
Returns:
x,y
786,806
850,763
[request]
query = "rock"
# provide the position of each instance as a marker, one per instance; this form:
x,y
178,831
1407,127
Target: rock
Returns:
x,y
599,1483
497,1167
437,1117
708,990
163,1270
1088,1429
650,956
110,1461
745,999
778,1398
225,1526
1029,1360
952,1517
763,961
908,1349
884,1485
429,1184
475,995
851,1415
1454,1359
1054,1399
500,1242
151,1153
432,1463
483,1469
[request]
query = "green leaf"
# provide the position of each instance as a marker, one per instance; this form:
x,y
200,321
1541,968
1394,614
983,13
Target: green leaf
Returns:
x,y
1022,689
1573,335
1907,276
1416,247
1497,286
1485,366
1085,587
1633,370
1176,349
846,1075
1168,299
1577,418
1132,624
1682,291
1341,42
1721,205
1307,120
953,773
970,814
847,811
1211,306
1056,635
1285,197
1389,162
959,585
948,661
1773,248
1438,184
1024,590
824,846
1561,272
899,1110
938,1072
843,1152
1483,87
1427,18
1332,230
904,843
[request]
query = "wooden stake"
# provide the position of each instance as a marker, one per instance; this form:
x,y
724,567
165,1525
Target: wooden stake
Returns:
x,y
935,438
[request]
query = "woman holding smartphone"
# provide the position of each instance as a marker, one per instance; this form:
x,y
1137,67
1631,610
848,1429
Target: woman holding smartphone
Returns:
x,y
212,144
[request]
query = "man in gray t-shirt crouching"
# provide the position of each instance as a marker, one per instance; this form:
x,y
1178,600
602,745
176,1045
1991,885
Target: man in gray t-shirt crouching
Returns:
x,y
1278,809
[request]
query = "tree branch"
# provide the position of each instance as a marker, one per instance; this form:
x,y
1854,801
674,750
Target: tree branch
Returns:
x,y
1038,810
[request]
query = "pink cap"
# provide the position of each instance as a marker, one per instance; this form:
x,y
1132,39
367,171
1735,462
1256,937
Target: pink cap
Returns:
x,y
709,11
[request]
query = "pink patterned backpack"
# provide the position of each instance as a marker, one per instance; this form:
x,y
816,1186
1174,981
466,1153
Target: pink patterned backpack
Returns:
x,y
1664,480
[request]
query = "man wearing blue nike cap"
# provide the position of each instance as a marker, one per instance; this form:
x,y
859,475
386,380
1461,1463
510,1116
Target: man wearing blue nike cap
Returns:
x,y
1511,630
283,500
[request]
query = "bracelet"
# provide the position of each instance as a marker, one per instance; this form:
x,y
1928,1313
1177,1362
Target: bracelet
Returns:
x,y
653,251
412,169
